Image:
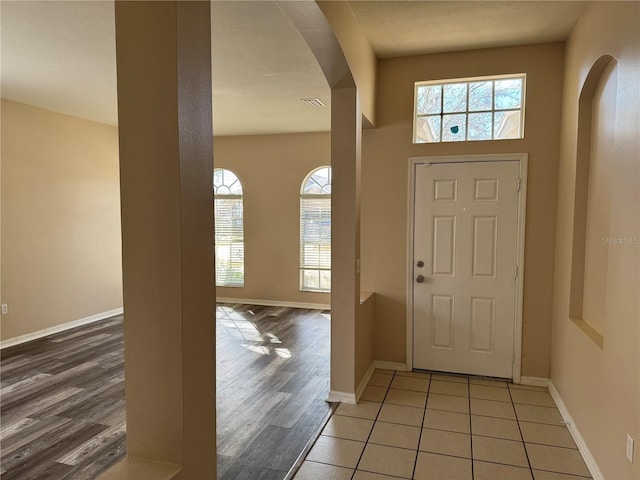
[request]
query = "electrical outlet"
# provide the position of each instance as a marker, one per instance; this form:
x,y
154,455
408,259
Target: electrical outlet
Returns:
x,y
5,309
630,448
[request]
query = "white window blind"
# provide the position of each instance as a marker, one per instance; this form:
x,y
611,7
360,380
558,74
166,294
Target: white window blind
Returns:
x,y
229,229
315,231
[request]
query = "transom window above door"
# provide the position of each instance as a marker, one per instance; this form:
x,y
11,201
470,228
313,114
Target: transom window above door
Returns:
x,y
469,109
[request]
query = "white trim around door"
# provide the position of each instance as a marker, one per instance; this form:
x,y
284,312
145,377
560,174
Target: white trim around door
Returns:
x,y
522,158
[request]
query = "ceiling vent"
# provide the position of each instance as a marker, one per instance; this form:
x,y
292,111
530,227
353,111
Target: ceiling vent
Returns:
x,y
314,102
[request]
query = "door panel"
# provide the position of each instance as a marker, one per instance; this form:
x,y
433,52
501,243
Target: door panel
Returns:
x,y
444,240
482,324
443,321
465,232
484,246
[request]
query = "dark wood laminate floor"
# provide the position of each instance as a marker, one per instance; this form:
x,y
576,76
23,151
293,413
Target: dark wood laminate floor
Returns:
x,y
62,404
272,382
62,397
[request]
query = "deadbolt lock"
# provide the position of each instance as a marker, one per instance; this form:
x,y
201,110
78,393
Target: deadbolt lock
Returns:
x,y
420,263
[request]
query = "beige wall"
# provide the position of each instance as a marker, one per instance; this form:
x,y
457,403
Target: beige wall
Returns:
x,y
364,335
272,169
385,173
61,216
61,253
601,386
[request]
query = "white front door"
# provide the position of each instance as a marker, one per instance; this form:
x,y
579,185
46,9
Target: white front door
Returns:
x,y
464,282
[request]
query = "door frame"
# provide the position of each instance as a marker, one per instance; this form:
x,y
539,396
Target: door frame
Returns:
x,y
522,159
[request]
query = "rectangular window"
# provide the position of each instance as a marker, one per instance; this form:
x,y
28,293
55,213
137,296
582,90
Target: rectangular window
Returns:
x,y
315,243
469,109
229,241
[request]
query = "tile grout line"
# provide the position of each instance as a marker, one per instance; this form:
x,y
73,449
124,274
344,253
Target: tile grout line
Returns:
x,y
577,477
515,412
424,415
470,429
309,446
375,420
428,392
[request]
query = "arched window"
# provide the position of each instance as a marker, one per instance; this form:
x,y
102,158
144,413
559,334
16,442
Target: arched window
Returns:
x,y
315,231
229,229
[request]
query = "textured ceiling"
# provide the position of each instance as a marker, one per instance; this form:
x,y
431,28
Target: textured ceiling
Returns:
x,y
262,68
61,55
399,28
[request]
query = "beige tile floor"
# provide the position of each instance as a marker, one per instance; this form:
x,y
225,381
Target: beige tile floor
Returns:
x,y
430,426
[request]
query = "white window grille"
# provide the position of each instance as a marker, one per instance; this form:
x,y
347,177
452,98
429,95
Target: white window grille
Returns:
x,y
469,109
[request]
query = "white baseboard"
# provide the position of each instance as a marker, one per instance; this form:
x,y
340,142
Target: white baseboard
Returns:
x,y
354,398
364,381
575,433
342,397
401,367
59,328
534,381
274,303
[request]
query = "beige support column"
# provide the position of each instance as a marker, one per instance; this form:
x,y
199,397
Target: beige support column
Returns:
x,y
166,171
346,139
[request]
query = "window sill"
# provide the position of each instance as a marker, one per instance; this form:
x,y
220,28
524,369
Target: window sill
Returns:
x,y
311,290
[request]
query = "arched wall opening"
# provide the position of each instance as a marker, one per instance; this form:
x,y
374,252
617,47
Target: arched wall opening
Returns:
x,y
595,150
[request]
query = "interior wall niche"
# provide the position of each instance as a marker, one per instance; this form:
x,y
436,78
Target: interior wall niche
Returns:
x,y
595,153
